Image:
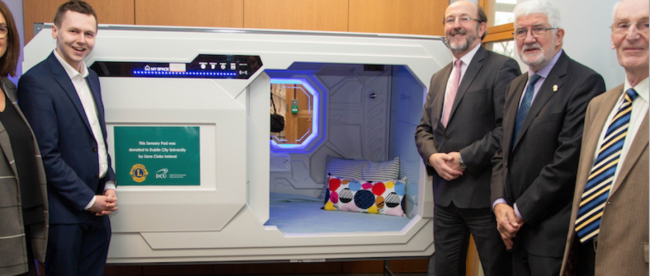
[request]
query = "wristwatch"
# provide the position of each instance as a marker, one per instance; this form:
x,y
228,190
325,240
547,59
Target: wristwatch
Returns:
x,y
461,163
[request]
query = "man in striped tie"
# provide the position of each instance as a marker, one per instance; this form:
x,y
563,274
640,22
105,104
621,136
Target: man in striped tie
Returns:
x,y
609,223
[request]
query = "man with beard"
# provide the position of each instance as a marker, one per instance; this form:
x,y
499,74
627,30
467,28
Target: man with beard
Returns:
x,y
534,172
459,133
608,233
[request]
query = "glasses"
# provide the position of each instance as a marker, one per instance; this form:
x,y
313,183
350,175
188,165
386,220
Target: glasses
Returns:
x,y
623,27
463,20
4,31
536,31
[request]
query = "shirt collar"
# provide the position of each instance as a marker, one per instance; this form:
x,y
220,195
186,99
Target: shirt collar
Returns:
x,y
642,88
69,69
547,68
467,58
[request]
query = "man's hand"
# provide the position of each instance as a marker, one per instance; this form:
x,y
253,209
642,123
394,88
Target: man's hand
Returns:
x,y
110,193
106,204
440,162
508,223
455,163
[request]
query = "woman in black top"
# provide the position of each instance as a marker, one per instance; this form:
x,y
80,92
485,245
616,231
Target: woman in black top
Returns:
x,y
23,195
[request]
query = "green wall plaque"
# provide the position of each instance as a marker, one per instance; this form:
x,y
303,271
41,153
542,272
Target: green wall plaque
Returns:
x,y
166,156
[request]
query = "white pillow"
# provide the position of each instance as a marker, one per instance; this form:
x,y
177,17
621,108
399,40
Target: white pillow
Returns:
x,y
375,171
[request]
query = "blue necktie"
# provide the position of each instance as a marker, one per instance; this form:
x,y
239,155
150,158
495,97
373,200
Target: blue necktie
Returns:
x,y
602,173
526,102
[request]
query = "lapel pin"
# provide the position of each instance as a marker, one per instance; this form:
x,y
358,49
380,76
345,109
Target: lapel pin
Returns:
x,y
554,87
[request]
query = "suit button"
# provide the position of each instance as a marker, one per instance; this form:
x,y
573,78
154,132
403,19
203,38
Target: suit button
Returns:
x,y
95,149
96,175
511,199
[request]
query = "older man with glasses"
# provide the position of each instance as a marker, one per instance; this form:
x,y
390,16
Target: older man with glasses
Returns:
x,y
534,172
608,232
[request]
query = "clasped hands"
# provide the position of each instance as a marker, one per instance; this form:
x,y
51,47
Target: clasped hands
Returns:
x,y
446,165
104,204
508,223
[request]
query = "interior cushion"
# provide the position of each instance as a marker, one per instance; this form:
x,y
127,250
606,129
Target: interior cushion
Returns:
x,y
359,169
374,197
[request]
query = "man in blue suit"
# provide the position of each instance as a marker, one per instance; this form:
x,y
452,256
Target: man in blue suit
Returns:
x,y
61,99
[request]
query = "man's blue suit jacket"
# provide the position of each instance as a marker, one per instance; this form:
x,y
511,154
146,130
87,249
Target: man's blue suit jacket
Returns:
x,y
50,103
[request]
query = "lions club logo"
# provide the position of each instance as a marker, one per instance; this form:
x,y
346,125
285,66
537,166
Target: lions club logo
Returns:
x,y
138,173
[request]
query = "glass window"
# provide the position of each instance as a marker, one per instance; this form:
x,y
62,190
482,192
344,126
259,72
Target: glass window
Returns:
x,y
500,26
500,12
506,48
297,102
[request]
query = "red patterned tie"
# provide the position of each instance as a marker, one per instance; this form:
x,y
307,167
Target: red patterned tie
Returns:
x,y
451,94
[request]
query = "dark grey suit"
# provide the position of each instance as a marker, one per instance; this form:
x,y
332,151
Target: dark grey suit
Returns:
x,y
474,130
14,258
539,174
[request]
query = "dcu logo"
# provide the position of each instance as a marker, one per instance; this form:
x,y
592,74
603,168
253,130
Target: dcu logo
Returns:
x,y
162,173
138,173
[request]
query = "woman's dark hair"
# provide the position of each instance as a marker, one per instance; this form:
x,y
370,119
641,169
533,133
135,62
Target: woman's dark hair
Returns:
x,y
9,61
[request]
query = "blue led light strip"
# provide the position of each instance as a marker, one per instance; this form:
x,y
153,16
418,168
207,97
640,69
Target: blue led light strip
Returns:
x,y
183,74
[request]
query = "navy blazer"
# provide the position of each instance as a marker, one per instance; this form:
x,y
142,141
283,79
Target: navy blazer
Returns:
x,y
50,103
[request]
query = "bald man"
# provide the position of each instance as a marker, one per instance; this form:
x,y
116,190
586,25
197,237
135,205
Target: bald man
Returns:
x,y
459,133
